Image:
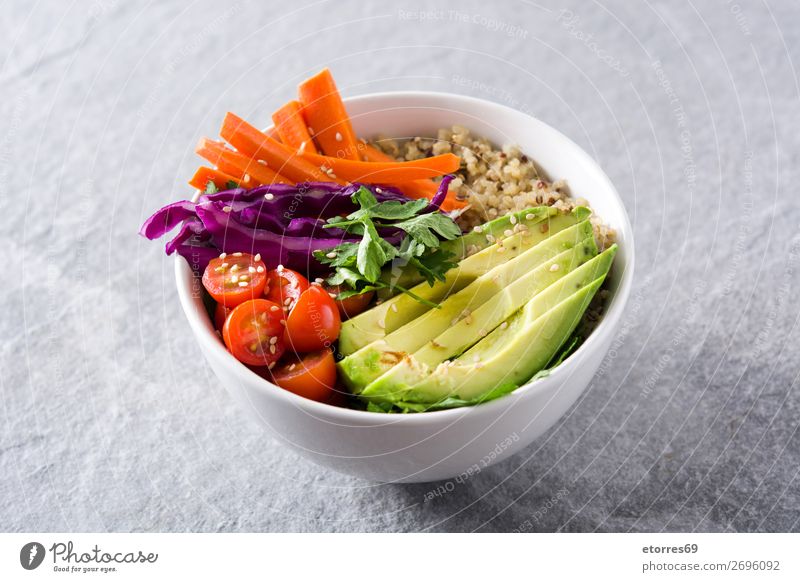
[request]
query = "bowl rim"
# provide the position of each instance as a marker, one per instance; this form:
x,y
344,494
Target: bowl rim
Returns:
x,y
606,326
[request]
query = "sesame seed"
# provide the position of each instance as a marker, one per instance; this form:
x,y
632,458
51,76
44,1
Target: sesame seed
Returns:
x,y
237,254
512,219
333,295
234,268
274,308
234,279
223,265
302,147
331,255
394,307
244,277
259,269
339,136
251,269
219,270
292,367
310,130
243,283
280,268
508,232
501,249
529,217
378,190
262,162
490,238
381,324
226,209
269,196
257,257
287,301
246,178
482,332
272,349
478,229
271,365
554,267
223,255
273,340
319,280
504,325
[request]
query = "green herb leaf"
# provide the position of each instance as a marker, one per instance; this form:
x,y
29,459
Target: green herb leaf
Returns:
x,y
230,184
425,227
211,188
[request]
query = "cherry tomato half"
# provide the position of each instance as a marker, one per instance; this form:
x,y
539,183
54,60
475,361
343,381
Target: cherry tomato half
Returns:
x,y
285,286
253,332
314,322
313,376
232,279
351,306
221,313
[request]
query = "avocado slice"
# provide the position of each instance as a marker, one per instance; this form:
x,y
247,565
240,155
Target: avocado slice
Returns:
x,y
373,360
477,240
519,358
539,291
399,310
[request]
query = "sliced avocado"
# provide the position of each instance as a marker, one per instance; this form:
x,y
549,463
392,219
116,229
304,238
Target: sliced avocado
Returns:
x,y
475,240
539,291
520,357
364,364
397,311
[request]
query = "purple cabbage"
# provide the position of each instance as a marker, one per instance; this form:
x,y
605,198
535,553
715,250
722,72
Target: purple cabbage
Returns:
x,y
281,222
441,193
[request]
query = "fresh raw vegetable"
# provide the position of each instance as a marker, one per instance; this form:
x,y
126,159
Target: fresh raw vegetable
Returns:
x,y
384,172
253,332
359,264
326,117
279,157
285,286
248,172
314,322
205,176
270,220
291,127
312,376
232,279
416,188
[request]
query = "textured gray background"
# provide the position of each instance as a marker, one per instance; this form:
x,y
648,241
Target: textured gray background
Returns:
x,y
112,421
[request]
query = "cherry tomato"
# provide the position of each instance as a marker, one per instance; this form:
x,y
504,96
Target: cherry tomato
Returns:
x,y
312,376
285,286
351,306
232,279
253,332
221,313
314,322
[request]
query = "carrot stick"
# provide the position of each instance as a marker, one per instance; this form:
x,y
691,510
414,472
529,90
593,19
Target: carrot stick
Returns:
x,y
280,158
386,172
204,175
415,189
326,116
291,127
237,164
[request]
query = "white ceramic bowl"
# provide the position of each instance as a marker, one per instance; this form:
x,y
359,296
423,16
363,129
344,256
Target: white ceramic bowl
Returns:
x,y
445,444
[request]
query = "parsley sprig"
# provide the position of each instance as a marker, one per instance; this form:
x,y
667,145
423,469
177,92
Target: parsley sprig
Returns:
x,y
358,265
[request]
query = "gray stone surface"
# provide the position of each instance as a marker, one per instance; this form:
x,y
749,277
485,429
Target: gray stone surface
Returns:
x,y
110,418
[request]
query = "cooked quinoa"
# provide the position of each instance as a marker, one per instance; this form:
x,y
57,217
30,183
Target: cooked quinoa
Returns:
x,y
493,180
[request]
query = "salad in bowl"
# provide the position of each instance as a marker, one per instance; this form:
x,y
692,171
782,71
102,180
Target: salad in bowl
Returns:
x,y
400,277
